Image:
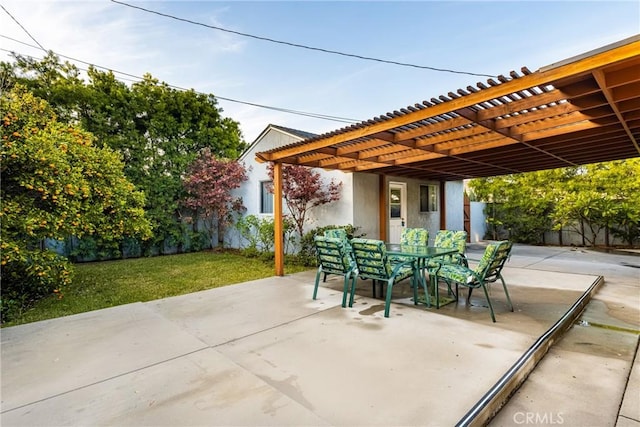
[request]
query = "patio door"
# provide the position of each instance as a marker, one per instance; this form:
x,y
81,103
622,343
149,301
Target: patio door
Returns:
x,y
397,210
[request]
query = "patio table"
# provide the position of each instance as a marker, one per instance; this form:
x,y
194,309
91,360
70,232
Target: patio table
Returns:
x,y
422,254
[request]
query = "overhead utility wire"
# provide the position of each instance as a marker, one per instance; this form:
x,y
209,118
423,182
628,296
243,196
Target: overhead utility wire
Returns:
x,y
138,78
23,28
335,52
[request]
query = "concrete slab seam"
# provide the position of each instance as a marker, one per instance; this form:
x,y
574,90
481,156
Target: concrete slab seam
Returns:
x,y
104,380
275,326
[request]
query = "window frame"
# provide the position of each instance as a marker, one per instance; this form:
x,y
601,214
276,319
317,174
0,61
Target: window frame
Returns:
x,y
265,208
428,200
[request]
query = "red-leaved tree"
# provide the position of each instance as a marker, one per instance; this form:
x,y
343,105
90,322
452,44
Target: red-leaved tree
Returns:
x,y
303,189
209,182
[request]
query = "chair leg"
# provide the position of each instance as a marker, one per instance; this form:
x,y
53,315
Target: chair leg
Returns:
x,y
315,288
425,287
387,304
374,287
345,290
353,289
324,280
486,294
450,291
506,292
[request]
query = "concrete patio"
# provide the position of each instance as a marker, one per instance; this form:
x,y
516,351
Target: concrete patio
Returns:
x,y
265,353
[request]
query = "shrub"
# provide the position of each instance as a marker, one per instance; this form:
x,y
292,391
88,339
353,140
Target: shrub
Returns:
x,y
259,233
27,275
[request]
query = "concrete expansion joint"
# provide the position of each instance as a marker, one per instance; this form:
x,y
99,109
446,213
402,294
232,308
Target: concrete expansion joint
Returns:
x,y
104,380
276,326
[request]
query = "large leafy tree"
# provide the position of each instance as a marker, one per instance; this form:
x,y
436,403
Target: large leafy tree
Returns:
x,y
209,183
158,130
602,196
519,204
55,183
304,189
587,200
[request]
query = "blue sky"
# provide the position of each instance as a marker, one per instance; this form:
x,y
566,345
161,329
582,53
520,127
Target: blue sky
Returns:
x,y
485,37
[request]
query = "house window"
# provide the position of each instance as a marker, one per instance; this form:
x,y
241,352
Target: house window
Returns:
x,y
428,198
395,203
266,197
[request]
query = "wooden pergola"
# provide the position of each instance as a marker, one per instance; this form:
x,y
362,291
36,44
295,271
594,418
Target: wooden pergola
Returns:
x,y
582,110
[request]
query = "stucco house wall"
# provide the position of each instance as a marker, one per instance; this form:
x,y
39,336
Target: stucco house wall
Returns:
x,y
415,218
454,202
338,213
366,204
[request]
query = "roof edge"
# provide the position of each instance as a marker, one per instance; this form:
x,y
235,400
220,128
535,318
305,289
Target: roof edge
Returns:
x,y
590,53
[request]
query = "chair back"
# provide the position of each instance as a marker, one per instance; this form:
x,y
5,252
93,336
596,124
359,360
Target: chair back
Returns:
x,y
340,233
332,255
414,236
453,239
336,233
371,258
493,260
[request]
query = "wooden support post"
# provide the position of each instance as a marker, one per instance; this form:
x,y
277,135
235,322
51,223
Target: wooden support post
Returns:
x,y
382,200
443,206
277,219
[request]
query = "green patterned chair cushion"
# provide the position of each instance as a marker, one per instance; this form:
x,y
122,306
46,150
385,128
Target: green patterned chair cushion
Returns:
x,y
465,275
488,270
336,233
451,239
334,258
371,257
332,255
412,237
374,263
339,233
489,252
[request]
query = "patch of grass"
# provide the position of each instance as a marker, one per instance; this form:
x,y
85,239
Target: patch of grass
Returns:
x,y
110,283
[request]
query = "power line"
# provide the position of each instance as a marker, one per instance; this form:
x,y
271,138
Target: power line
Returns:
x,y
335,52
138,78
23,28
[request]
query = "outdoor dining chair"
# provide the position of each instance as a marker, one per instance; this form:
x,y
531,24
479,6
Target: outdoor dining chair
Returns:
x,y
333,258
488,270
338,233
411,237
450,239
453,239
373,263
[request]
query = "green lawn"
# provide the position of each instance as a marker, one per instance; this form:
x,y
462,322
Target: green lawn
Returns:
x,y
110,283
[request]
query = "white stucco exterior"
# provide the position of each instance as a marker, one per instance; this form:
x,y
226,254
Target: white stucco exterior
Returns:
x,y
335,213
454,198
359,202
